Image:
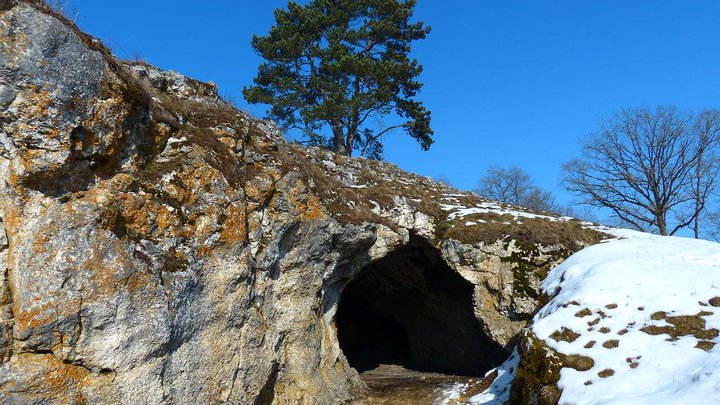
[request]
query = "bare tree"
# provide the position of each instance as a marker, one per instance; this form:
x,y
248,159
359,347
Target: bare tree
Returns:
x,y
707,135
643,164
584,213
444,180
515,187
712,222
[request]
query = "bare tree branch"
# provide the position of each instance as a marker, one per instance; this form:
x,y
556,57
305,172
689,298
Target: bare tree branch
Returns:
x,y
649,166
515,187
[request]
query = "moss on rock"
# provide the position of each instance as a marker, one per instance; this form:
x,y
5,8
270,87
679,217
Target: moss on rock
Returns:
x,y
539,369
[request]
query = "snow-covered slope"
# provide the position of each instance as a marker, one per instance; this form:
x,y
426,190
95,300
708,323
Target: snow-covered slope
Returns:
x,y
637,318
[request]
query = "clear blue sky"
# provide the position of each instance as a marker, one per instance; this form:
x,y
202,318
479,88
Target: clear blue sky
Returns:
x,y
508,82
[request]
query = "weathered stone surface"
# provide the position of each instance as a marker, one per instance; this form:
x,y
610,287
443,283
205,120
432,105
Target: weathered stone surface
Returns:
x,y
6,315
507,281
158,246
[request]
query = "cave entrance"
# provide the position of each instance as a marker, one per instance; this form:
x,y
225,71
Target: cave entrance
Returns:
x,y
411,309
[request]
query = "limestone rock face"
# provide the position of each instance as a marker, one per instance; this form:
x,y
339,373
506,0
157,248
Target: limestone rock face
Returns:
x,y
158,246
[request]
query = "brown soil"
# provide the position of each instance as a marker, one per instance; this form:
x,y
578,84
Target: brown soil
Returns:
x,y
395,385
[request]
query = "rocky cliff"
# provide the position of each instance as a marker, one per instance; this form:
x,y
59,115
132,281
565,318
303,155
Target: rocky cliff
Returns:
x,y
159,246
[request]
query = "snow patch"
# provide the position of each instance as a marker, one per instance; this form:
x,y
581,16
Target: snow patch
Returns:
x,y
608,292
459,211
499,391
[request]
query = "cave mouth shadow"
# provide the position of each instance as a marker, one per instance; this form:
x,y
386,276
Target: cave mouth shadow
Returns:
x,y
411,309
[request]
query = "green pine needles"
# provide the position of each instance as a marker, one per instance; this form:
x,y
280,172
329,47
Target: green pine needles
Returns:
x,y
335,70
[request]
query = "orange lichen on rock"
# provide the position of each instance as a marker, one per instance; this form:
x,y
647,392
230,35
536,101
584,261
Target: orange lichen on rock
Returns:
x,y
234,227
311,209
49,380
40,102
29,317
307,205
14,43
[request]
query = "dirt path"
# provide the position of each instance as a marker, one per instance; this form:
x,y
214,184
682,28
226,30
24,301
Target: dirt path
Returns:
x,y
395,385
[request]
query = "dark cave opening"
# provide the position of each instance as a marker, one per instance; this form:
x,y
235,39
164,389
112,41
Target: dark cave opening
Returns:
x,y
411,309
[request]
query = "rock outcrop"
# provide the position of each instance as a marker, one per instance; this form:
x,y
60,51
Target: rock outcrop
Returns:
x,y
159,246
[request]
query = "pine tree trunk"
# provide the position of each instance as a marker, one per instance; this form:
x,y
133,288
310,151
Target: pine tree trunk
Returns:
x,y
349,141
339,140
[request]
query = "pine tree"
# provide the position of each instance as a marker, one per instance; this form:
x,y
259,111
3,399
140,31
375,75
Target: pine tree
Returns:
x,y
333,68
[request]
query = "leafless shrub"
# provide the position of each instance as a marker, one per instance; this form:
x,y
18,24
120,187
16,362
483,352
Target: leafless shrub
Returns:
x,y
515,187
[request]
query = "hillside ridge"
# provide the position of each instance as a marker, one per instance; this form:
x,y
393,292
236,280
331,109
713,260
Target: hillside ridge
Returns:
x,y
160,246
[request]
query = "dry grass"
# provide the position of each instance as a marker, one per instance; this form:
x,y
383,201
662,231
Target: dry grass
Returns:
x,y
611,344
475,388
583,313
547,394
705,345
200,114
683,325
608,372
220,157
530,231
579,363
538,368
658,316
334,195
564,335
